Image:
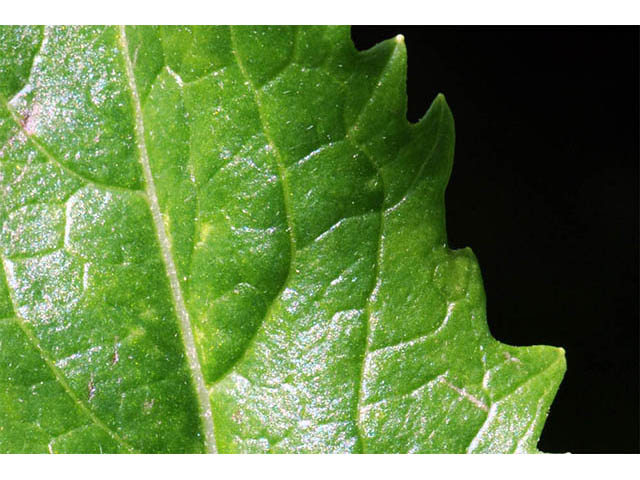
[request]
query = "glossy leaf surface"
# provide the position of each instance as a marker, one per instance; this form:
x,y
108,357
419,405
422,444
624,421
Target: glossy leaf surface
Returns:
x,y
231,239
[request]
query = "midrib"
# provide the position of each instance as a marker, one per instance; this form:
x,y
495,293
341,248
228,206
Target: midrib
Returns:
x,y
165,245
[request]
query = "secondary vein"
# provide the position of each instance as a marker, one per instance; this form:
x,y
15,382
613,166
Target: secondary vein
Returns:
x,y
165,245
58,375
286,196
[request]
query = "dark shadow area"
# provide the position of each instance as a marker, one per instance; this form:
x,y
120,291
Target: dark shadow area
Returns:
x,y
545,191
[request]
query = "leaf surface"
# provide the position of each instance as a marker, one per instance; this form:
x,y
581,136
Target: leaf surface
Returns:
x,y
224,239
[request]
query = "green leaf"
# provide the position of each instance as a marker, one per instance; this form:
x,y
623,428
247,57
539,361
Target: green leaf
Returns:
x,y
231,239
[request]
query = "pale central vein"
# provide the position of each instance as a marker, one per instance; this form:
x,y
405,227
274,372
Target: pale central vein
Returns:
x,y
165,245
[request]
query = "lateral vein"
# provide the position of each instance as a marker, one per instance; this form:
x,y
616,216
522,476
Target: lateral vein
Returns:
x,y
22,324
165,245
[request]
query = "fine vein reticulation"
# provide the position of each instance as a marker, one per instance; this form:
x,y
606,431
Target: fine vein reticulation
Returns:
x,y
229,239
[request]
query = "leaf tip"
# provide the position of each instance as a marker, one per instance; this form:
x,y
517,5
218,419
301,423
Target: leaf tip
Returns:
x,y
562,358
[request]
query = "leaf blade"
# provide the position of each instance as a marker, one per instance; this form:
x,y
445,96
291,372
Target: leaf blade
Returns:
x,y
276,212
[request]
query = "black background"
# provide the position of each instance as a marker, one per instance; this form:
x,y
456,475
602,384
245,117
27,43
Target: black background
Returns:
x,y
545,191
